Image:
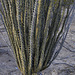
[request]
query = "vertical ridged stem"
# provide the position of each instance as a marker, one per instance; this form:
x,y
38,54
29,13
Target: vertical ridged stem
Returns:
x,y
52,32
32,38
45,38
23,56
25,27
14,28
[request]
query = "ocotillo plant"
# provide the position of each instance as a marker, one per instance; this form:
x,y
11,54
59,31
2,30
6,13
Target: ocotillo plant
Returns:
x,y
35,28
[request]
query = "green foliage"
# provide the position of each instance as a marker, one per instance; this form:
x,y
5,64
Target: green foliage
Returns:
x,y
35,27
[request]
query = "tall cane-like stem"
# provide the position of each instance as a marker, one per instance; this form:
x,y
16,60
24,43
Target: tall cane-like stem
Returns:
x,y
35,29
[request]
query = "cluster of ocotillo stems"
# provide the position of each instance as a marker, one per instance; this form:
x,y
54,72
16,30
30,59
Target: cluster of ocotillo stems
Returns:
x,y
34,28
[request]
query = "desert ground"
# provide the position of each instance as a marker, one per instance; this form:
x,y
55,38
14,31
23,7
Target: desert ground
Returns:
x,y
64,64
